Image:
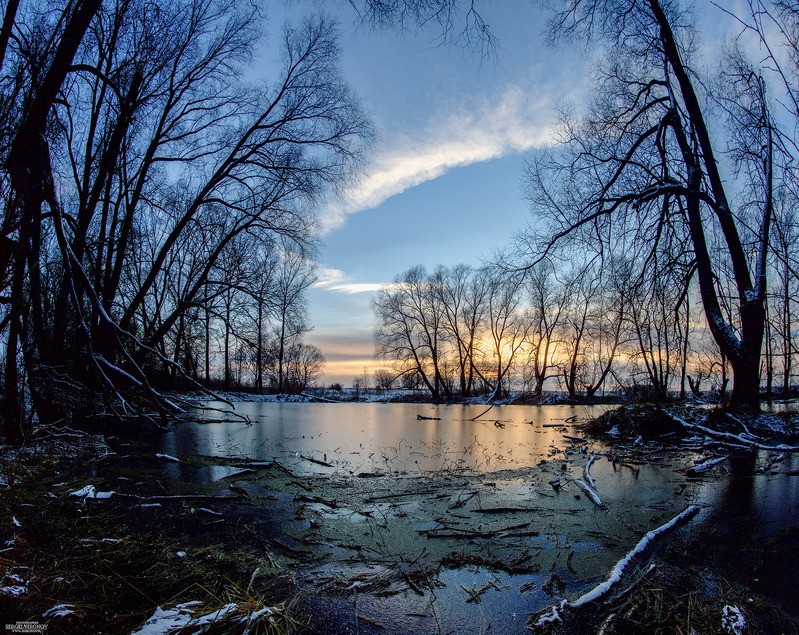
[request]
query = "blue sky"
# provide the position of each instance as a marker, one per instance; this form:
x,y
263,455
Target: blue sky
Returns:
x,y
443,181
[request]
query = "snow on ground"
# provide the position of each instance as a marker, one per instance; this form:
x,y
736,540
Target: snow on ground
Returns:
x,y
165,621
183,618
732,620
12,584
90,491
59,610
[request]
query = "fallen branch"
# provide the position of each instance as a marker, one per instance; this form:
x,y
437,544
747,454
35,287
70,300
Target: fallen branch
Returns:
x,y
317,461
589,491
704,466
482,413
553,613
587,472
318,398
733,440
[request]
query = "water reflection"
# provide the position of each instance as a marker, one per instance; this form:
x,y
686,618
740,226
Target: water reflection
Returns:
x,y
384,438
741,507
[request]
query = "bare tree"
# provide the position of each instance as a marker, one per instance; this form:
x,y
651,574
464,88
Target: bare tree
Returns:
x,y
409,329
293,276
548,304
508,325
304,364
643,160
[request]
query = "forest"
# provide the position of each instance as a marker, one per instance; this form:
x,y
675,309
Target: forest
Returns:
x,y
155,199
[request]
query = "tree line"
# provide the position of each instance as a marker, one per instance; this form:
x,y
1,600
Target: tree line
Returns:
x,y
156,196
582,327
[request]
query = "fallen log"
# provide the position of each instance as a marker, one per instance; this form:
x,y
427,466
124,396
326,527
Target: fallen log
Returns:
x,y
589,491
587,472
733,440
704,466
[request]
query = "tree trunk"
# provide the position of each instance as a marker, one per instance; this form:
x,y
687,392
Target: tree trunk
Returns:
x,y
207,347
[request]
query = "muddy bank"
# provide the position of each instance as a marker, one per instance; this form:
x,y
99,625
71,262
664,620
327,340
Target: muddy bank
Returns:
x,y
113,533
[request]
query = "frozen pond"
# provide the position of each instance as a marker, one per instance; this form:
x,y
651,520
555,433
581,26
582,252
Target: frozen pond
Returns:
x,y
379,437
380,496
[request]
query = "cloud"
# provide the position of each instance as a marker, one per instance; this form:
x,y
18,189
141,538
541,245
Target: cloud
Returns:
x,y
336,280
513,123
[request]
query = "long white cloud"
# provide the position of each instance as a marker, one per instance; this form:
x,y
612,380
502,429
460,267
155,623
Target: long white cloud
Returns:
x,y
336,280
514,122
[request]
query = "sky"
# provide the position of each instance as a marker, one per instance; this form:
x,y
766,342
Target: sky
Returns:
x,y
442,183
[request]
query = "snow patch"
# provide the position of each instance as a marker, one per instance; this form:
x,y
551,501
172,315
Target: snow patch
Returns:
x,y
88,491
163,622
172,620
214,616
59,610
732,620
17,587
552,616
167,457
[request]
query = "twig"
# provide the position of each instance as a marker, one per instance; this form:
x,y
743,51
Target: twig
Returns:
x,y
482,413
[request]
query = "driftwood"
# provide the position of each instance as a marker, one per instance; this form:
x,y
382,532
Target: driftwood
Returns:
x,y
704,466
590,492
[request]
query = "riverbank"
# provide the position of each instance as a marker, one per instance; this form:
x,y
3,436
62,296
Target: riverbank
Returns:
x,y
549,398
107,534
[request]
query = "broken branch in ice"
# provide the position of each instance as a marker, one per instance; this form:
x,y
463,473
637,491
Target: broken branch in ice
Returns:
x,y
167,457
587,472
589,491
